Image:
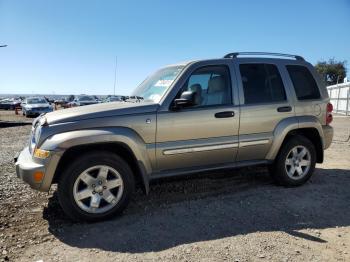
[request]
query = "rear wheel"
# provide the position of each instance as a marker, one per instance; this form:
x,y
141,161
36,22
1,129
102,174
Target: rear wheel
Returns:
x,y
295,162
95,187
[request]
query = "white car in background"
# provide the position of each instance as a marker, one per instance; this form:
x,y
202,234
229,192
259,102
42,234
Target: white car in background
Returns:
x,y
34,106
83,100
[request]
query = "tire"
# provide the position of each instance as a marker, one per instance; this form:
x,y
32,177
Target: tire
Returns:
x,y
88,168
282,169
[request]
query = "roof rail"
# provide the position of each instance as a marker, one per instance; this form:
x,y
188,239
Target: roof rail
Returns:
x,y
234,55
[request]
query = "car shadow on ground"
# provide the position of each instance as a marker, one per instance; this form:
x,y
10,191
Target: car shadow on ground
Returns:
x,y
238,202
5,124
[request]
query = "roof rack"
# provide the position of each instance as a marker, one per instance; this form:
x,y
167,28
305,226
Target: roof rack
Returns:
x,y
234,55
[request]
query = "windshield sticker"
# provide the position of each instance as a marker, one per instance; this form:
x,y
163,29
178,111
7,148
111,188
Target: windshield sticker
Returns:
x,y
164,82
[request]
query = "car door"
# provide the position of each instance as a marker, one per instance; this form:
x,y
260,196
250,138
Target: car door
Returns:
x,y
264,103
206,133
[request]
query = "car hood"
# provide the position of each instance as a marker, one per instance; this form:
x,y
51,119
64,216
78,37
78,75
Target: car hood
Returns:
x,y
99,110
37,105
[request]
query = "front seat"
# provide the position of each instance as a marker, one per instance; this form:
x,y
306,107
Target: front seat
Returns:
x,y
217,91
197,89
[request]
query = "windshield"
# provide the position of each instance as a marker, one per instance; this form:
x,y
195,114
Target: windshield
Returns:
x,y
36,101
155,86
86,98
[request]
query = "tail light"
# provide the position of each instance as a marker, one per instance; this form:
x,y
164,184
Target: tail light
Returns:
x,y
329,116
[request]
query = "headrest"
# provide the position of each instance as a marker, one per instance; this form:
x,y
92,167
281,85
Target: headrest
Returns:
x,y
196,88
216,84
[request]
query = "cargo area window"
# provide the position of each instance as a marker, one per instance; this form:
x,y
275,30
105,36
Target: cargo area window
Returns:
x,y
304,83
262,83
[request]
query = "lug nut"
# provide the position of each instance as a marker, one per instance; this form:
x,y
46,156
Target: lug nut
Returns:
x,y
93,192
93,185
100,182
104,187
100,193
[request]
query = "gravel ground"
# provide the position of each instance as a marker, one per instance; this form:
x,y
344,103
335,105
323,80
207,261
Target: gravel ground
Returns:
x,y
237,215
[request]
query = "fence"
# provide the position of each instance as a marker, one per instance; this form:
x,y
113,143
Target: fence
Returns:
x,y
339,95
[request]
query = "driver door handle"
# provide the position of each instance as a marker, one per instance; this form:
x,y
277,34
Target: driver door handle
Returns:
x,y
284,109
225,114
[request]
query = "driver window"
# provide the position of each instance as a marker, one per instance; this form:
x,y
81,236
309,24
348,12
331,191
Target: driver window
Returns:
x,y
211,85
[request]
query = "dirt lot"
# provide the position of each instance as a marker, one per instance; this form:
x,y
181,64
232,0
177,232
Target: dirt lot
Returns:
x,y
238,215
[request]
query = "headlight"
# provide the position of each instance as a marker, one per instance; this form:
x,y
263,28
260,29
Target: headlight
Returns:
x,y
32,144
36,132
42,121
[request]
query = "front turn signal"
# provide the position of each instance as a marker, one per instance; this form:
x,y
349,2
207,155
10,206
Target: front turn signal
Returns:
x,y
40,153
38,176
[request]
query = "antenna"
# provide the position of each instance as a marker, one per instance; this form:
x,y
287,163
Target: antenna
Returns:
x,y
115,74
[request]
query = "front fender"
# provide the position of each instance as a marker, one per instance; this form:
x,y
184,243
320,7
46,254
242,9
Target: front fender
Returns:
x,y
289,124
59,143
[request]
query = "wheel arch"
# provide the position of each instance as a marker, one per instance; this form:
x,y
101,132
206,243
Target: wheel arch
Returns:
x,y
118,148
307,126
122,141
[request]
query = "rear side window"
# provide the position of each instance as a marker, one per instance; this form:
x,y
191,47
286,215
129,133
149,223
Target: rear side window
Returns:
x,y
304,83
262,83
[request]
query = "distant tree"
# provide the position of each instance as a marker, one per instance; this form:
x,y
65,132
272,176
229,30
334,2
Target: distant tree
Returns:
x,y
332,72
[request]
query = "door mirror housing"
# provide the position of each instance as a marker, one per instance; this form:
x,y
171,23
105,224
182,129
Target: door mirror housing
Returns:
x,y
186,99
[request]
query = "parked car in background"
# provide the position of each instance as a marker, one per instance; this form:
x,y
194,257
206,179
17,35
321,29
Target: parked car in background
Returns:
x,y
114,99
67,100
10,103
83,100
98,99
133,99
34,106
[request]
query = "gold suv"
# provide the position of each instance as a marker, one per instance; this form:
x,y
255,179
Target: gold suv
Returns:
x,y
240,110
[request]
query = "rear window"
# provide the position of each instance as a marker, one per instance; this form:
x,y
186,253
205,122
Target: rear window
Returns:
x,y
262,83
304,83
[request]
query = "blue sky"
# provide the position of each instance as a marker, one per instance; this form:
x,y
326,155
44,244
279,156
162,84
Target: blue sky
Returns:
x,y
69,47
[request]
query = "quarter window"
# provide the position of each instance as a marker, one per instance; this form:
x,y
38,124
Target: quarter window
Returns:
x,y
304,84
262,83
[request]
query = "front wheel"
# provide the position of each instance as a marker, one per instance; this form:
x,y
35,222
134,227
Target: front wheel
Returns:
x,y
95,187
295,162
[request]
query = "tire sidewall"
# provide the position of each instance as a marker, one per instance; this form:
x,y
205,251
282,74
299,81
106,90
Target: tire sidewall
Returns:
x,y
68,178
279,170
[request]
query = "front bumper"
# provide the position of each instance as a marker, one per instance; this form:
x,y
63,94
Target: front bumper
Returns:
x,y
26,167
327,136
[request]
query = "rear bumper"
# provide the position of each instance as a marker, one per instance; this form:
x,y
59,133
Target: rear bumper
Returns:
x,y
327,136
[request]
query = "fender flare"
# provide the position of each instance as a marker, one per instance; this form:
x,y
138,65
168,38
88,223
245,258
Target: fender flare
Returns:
x,y
61,142
289,124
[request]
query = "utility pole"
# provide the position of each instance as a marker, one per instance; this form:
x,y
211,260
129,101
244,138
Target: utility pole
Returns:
x,y
115,74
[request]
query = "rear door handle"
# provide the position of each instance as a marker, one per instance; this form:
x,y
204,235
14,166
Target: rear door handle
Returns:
x,y
225,114
284,109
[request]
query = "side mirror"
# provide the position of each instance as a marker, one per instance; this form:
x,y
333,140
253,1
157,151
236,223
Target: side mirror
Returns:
x,y
186,99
